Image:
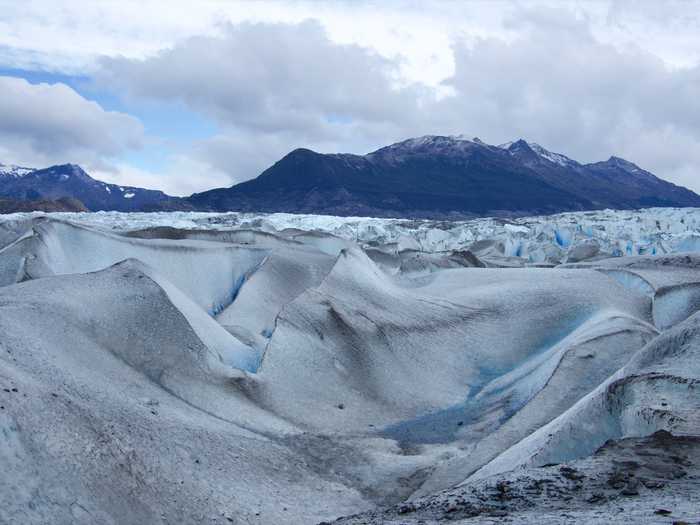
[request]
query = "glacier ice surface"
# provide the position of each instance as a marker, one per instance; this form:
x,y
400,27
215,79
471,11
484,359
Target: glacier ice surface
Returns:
x,y
277,368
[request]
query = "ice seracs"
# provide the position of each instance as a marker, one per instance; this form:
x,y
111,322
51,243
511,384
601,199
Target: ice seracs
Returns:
x,y
553,239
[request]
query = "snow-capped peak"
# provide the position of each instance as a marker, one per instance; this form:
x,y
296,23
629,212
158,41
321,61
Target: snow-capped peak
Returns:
x,y
428,143
556,158
464,138
10,170
439,140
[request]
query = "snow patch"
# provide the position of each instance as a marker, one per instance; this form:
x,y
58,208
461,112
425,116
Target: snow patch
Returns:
x,y
556,158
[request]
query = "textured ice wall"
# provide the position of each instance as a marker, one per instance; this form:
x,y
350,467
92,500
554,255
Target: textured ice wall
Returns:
x,y
656,390
210,273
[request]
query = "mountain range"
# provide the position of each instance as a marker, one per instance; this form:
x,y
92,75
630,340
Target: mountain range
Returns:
x,y
430,176
70,181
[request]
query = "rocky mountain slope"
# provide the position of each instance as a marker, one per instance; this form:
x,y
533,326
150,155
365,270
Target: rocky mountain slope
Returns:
x,y
436,176
431,176
71,181
64,204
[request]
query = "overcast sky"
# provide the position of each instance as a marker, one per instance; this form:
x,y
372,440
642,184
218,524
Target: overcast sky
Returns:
x,y
185,96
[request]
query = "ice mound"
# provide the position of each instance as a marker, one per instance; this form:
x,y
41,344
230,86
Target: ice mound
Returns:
x,y
229,350
657,390
390,350
284,275
210,273
672,282
567,373
415,262
114,411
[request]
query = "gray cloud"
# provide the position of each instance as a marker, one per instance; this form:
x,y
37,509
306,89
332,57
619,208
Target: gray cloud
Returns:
x,y
42,124
273,87
559,86
269,77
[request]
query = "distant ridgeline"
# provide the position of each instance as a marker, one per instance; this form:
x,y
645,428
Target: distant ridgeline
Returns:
x,y
69,181
425,177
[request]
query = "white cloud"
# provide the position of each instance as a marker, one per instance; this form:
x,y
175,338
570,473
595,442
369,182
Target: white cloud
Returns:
x,y
182,175
42,33
269,77
42,124
560,86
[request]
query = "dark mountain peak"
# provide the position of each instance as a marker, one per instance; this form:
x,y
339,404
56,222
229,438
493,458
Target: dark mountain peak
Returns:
x,y
521,150
64,172
301,153
70,181
519,144
518,147
620,166
301,156
296,156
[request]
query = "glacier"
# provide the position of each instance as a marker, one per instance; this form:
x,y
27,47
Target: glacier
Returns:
x,y
276,368
549,239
